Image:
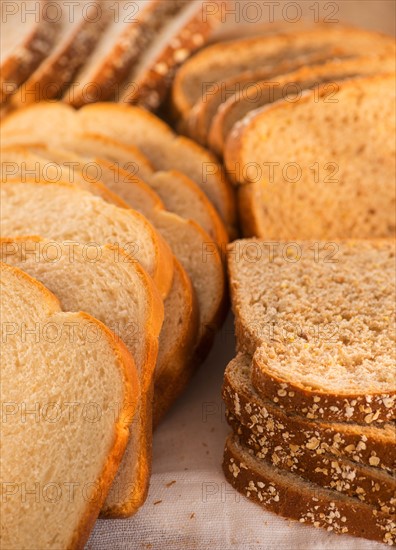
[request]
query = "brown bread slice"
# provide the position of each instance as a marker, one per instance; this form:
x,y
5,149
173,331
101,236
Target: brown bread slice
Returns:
x,y
81,381
311,461
24,45
291,497
318,170
325,347
220,62
80,28
289,85
370,445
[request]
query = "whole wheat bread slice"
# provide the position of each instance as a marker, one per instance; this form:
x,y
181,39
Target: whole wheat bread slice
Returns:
x,y
370,445
289,85
304,189
27,35
322,347
289,496
80,28
148,82
66,368
273,437
220,62
61,211
84,279
137,128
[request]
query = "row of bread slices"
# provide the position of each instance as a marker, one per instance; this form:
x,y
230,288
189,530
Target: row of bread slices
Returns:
x,y
101,50
311,395
301,119
98,205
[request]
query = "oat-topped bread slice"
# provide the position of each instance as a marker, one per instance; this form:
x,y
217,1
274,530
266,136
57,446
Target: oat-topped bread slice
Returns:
x,y
63,212
24,44
219,62
321,316
81,381
372,445
80,27
313,452
304,188
290,496
106,283
290,85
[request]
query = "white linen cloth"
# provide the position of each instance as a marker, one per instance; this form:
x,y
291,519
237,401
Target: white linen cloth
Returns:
x,y
190,506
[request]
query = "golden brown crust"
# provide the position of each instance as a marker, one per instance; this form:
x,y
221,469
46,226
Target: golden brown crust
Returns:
x,y
289,496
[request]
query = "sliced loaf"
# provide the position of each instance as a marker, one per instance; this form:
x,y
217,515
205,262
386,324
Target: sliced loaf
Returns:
x,y
81,381
289,496
288,85
220,62
272,437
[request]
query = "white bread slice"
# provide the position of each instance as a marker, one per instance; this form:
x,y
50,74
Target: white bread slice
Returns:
x,y
371,445
149,80
66,367
314,200
109,285
79,30
23,46
197,124
63,212
275,439
332,361
129,30
289,84
290,496
220,62
153,137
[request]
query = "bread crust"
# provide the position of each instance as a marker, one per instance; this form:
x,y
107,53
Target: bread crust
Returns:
x,y
290,497
24,59
319,405
365,483
367,445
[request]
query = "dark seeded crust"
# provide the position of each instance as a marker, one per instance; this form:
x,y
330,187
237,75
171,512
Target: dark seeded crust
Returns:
x,y
20,64
368,445
293,397
368,484
61,68
152,88
289,496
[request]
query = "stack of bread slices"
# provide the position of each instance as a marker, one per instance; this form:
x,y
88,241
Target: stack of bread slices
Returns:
x,y
311,394
305,123
112,212
86,52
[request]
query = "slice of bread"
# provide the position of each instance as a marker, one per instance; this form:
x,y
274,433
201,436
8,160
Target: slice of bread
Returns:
x,y
304,189
288,85
370,445
79,30
84,278
63,212
24,46
153,137
269,436
220,62
81,381
188,29
290,496
322,347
